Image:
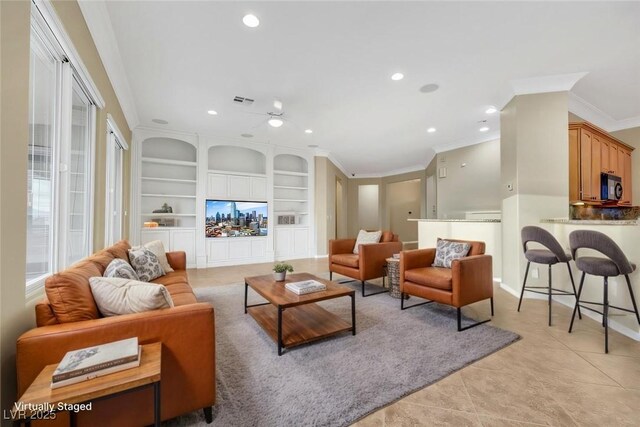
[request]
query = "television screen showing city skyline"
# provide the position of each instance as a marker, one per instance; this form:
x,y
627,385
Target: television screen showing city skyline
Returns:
x,y
232,218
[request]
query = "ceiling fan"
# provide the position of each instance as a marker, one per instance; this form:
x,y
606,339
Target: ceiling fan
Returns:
x,y
275,118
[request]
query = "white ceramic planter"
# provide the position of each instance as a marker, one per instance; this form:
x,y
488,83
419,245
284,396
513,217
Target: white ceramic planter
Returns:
x,y
280,276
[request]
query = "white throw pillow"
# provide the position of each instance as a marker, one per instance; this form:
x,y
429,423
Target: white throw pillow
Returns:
x,y
366,238
146,264
157,247
115,296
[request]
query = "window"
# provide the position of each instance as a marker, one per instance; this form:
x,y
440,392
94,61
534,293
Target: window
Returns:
x,y
60,157
114,213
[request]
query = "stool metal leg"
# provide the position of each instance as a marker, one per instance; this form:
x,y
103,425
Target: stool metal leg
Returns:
x,y
573,317
549,294
526,272
573,285
605,314
633,300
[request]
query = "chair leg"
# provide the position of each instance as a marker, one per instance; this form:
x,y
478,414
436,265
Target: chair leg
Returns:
x,y
526,272
401,300
385,290
573,317
633,299
549,294
473,325
605,314
573,285
208,414
491,306
331,275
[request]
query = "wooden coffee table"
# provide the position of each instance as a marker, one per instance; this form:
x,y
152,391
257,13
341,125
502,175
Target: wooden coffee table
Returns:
x,y
291,319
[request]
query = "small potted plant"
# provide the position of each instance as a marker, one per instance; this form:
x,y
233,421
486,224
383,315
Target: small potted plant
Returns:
x,y
280,271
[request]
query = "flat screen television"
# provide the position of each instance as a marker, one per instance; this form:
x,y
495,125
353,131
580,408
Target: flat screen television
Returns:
x,y
235,218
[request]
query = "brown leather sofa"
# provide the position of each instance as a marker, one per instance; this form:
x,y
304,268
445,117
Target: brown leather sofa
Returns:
x,y
368,263
69,319
470,279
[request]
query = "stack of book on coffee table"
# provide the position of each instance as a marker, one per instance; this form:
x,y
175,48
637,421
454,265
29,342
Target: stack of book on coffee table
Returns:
x,y
305,287
96,361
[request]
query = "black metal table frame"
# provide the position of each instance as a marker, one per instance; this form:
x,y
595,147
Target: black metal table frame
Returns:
x,y
73,416
281,309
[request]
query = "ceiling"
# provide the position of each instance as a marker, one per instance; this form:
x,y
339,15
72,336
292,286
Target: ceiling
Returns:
x,y
330,64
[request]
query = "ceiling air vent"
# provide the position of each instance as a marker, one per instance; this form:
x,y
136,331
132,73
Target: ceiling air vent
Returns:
x,y
242,100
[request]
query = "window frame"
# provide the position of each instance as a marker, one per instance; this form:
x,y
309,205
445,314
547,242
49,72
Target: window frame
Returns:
x,y
115,139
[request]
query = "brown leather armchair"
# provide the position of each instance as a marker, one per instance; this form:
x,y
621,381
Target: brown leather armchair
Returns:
x,y
470,279
368,263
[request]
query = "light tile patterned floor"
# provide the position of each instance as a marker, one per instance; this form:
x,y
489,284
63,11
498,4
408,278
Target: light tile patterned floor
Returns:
x,y
549,377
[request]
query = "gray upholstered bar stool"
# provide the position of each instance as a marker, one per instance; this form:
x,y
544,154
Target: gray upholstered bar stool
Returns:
x,y
615,264
554,254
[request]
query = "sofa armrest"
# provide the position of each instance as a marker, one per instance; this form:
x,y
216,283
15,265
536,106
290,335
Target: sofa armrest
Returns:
x,y
183,345
373,258
472,279
177,260
341,246
416,258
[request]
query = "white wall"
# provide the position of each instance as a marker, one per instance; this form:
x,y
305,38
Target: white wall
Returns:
x,y
472,181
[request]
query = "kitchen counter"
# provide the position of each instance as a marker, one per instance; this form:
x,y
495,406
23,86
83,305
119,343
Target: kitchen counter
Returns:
x,y
589,222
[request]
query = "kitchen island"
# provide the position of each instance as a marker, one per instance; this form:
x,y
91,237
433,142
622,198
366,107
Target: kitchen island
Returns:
x,y
486,230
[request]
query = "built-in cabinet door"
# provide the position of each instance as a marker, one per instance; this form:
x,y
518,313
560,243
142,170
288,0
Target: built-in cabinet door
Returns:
x,y
258,188
239,187
300,242
147,236
595,167
585,165
613,159
625,175
282,242
604,155
217,185
185,240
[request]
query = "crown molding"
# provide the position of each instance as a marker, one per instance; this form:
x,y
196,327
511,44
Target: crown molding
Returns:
x,y
408,169
486,138
97,19
546,84
593,114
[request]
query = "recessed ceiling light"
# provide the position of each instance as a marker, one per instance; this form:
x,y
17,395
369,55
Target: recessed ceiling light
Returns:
x,y
246,135
308,131
212,112
160,121
250,20
431,130
313,146
275,122
483,129
491,110
431,87
397,76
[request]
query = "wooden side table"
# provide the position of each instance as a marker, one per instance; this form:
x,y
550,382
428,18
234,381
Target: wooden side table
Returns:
x,y
40,392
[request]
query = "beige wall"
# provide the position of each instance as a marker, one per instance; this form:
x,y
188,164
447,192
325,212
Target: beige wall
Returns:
x,y
472,187
325,203
16,313
404,200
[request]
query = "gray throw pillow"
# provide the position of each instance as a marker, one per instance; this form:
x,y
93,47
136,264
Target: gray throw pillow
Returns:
x,y
447,251
115,296
146,264
120,268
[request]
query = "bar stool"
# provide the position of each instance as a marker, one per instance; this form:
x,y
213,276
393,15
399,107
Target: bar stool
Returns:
x,y
550,256
615,264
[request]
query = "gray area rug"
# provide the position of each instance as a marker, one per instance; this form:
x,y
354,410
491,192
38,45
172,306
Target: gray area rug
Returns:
x,y
336,381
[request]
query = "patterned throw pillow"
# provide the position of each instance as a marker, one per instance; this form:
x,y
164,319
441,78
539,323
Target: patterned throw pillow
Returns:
x,y
447,251
157,247
146,264
116,296
120,268
366,238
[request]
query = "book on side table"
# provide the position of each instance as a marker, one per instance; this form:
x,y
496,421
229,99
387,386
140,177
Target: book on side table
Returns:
x,y
91,362
305,287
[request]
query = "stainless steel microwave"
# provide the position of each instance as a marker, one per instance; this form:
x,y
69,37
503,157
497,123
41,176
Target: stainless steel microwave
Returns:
x,y
610,187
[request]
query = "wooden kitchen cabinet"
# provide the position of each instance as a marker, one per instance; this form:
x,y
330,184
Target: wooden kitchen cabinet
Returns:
x,y
592,151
